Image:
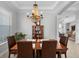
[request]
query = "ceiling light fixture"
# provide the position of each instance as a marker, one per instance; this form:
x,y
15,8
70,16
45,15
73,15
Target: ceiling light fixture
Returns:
x,y
35,14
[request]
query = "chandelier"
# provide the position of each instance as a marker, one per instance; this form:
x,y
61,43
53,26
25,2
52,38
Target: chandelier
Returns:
x,y
35,16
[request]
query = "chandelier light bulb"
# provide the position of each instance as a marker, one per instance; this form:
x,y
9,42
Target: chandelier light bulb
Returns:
x,y
41,12
27,14
33,12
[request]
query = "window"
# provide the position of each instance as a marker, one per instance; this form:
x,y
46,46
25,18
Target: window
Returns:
x,y
4,26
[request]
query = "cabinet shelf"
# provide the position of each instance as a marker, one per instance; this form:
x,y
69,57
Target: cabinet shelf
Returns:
x,y
37,33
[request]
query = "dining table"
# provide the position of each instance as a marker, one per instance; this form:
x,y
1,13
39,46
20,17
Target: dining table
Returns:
x,y
37,45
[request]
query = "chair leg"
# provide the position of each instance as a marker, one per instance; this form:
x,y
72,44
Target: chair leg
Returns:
x,y
59,55
9,55
65,55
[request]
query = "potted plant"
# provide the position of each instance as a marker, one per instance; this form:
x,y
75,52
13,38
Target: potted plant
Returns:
x,y
19,36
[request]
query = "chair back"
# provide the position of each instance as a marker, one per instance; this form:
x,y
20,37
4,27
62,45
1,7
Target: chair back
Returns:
x,y
11,41
25,49
49,49
64,40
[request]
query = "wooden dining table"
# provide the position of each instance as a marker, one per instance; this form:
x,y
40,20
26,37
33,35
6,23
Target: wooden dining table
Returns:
x,y
37,45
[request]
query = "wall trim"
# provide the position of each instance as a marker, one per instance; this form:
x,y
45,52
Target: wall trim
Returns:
x,y
3,43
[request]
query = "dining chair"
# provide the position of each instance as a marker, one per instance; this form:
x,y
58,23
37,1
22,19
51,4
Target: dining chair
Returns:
x,y
64,42
49,49
25,49
11,42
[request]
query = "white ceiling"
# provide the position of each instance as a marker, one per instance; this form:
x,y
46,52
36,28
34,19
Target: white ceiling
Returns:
x,y
41,4
74,7
29,4
56,6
